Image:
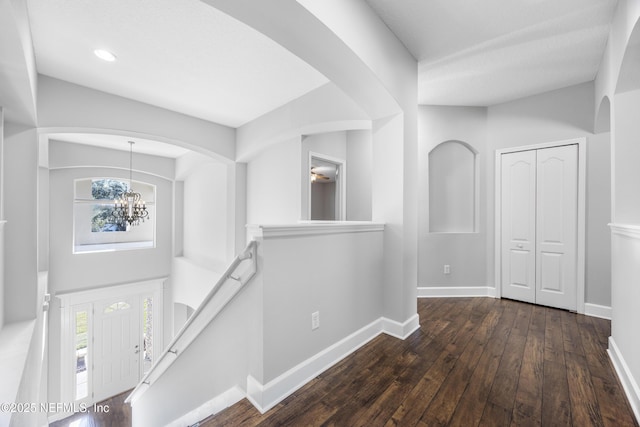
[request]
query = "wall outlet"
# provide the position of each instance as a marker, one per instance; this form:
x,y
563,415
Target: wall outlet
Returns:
x,y
447,269
315,320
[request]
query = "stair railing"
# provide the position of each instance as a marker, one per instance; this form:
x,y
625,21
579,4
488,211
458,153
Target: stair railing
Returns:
x,y
200,318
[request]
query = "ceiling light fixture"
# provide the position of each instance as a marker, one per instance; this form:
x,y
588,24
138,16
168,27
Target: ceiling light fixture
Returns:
x,y
129,208
105,55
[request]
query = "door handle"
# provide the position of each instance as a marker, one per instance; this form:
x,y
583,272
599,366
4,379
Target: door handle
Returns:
x,y
136,352
519,246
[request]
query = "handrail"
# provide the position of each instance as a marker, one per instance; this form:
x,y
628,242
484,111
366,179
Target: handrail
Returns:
x,y
249,253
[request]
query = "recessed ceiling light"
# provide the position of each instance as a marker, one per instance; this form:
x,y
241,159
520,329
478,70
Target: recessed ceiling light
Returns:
x,y
105,55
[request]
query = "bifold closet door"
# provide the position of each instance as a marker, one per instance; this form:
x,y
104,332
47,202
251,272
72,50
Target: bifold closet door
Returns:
x,y
519,226
539,209
556,226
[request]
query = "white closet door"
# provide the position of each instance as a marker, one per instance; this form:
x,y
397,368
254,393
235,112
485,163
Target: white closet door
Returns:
x,y
556,235
519,225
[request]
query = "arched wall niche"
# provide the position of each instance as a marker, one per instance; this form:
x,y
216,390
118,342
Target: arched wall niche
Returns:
x,y
603,117
453,188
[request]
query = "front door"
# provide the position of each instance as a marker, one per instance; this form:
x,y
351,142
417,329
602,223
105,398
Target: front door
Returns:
x,y
117,346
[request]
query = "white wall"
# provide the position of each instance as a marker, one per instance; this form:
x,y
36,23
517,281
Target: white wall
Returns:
x,y
20,159
617,79
33,387
205,214
66,107
323,277
598,251
74,272
2,282
273,184
464,252
554,116
627,172
359,175
202,227
326,109
354,49
2,220
625,295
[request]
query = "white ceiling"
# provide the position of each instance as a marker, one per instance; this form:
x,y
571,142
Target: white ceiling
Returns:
x,y
182,55
188,57
481,53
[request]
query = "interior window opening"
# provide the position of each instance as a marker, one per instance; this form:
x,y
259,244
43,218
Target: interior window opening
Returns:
x,y
97,228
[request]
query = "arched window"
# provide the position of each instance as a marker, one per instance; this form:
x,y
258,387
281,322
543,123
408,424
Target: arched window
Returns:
x,y
453,188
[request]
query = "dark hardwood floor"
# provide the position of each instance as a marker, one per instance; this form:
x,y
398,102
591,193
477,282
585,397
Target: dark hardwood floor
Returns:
x,y
474,362
118,415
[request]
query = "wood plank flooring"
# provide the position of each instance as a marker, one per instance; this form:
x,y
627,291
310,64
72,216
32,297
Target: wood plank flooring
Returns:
x,y
119,415
473,362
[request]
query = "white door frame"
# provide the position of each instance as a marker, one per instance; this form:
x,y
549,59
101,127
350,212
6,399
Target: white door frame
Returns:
x,y
341,186
70,301
581,236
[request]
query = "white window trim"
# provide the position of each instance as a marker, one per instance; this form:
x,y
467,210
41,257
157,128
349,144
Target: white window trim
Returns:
x,y
112,246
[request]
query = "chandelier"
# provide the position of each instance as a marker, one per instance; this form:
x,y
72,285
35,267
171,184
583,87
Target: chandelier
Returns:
x,y
129,207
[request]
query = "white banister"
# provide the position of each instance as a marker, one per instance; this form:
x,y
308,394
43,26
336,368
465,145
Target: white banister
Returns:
x,y
204,314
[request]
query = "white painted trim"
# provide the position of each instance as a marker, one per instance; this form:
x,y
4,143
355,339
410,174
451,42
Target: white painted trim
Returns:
x,y
456,291
97,294
629,384
581,236
401,330
626,230
309,228
86,299
213,406
265,397
342,182
595,310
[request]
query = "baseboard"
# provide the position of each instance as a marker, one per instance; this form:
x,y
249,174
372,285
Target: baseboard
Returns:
x,y
265,397
596,310
213,406
456,291
400,330
629,384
